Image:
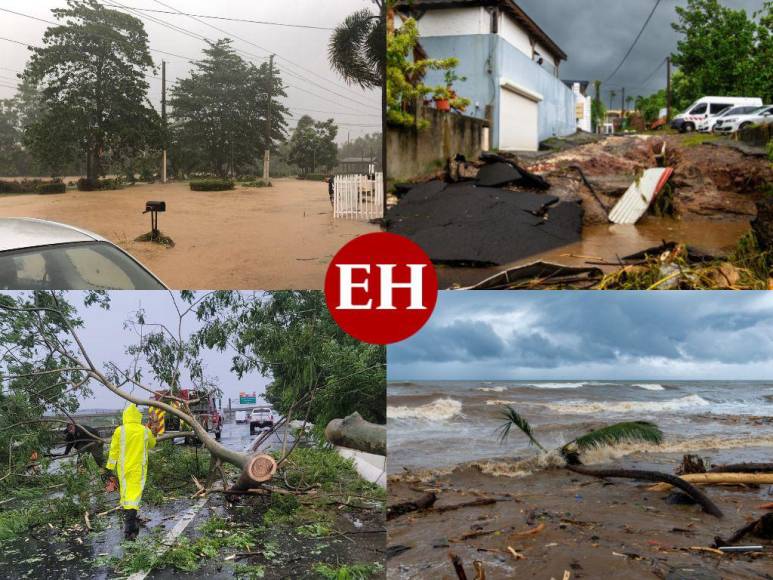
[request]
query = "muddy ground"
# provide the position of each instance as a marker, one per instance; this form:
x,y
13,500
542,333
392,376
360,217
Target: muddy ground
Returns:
x,y
268,238
358,536
712,195
560,521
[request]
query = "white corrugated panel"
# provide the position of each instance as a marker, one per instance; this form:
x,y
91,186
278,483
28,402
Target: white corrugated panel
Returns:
x,y
634,204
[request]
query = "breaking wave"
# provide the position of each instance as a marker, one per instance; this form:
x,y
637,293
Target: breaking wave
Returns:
x,y
556,385
650,386
605,407
492,389
437,410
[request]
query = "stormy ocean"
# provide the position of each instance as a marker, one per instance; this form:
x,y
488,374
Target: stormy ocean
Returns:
x,y
440,424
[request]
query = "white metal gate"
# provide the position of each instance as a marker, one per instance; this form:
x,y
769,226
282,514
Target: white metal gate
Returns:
x,y
358,197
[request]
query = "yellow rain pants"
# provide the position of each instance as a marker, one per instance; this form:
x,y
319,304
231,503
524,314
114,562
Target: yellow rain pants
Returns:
x,y
129,456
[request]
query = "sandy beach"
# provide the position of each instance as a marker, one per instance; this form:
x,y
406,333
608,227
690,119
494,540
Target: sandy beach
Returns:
x,y
268,238
557,520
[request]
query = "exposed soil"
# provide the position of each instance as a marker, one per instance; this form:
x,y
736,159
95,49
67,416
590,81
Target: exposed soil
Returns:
x,y
583,525
269,238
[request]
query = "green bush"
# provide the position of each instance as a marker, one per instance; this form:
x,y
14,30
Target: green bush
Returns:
x,y
257,183
212,184
53,187
770,150
85,184
32,186
314,177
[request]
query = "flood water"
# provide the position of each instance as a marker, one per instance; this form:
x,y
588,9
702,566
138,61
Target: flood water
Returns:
x,y
609,242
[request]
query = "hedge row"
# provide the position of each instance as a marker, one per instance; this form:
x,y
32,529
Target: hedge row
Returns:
x,y
258,183
313,177
33,186
212,184
85,184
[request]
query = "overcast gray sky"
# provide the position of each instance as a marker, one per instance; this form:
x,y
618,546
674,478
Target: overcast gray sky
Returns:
x,y
106,340
591,335
596,34
301,52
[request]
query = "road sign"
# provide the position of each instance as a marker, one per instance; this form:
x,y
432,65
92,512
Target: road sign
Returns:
x,y
248,398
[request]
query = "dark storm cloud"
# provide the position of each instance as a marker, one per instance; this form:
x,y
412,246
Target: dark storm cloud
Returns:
x,y
597,33
511,331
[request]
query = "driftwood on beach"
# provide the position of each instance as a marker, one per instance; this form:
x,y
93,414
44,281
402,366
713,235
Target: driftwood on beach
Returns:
x,y
701,498
720,479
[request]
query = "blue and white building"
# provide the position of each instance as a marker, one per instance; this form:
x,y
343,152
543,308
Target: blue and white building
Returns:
x,y
510,64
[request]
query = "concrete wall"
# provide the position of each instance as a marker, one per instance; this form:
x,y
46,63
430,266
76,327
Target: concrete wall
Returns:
x,y
412,153
511,31
486,60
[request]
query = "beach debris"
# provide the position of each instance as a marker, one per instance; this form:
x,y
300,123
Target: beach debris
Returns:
x,y
741,549
422,503
567,575
637,200
474,503
705,549
742,468
766,506
530,532
480,571
392,551
691,464
672,480
720,479
541,275
516,555
456,561
761,528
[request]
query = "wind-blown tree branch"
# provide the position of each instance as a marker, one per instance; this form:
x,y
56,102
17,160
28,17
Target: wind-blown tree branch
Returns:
x,y
220,113
91,71
357,48
631,431
291,337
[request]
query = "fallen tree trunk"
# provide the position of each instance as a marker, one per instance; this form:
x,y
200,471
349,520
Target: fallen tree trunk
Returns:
x,y
357,433
743,468
761,527
701,498
399,509
720,479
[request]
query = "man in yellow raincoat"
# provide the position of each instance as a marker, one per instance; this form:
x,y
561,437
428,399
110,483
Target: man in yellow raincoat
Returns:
x,y
129,459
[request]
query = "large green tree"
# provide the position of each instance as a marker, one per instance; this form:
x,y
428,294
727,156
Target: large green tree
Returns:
x,y
715,53
318,370
220,113
313,144
91,70
763,54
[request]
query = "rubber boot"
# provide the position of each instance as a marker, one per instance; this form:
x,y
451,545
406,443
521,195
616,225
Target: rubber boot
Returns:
x,y
131,526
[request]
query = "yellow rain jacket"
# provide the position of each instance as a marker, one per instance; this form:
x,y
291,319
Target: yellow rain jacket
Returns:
x,y
129,456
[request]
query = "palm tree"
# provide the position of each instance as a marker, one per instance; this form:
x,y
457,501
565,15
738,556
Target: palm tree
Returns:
x,y
612,95
630,431
357,47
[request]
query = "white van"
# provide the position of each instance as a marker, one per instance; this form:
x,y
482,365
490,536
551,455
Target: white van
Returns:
x,y
241,416
707,107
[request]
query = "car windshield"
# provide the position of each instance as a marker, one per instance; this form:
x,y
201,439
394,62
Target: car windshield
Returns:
x,y
761,110
81,266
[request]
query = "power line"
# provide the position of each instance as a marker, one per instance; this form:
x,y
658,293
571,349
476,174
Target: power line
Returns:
x,y
638,36
250,21
279,56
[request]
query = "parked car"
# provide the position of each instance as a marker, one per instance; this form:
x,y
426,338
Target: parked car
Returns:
x,y
240,416
707,126
43,255
706,107
260,418
731,124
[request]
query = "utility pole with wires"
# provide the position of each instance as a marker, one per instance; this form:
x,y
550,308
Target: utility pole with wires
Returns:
x,y
622,108
163,120
668,89
267,154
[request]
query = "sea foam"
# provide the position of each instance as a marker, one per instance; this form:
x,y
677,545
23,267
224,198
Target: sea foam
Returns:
x,y
437,410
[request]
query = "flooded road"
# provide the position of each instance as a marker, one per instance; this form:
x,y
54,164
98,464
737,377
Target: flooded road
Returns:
x,y
609,242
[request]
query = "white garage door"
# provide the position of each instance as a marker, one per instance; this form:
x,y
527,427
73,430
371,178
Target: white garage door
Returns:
x,y
518,121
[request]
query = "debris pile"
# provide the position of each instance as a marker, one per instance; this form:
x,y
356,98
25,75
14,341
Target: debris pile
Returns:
x,y
497,218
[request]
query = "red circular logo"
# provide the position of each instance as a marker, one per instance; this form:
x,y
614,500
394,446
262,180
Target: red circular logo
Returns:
x,y
381,288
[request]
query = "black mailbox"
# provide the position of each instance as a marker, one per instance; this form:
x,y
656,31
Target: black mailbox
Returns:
x,y
155,206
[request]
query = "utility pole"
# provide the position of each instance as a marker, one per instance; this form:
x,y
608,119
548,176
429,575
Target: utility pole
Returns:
x,y
163,120
668,88
622,109
267,154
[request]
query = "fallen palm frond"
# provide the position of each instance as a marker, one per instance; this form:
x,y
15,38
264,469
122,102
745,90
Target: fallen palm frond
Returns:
x,y
636,431
512,417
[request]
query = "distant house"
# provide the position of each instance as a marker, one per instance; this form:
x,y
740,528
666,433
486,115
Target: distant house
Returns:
x,y
582,106
357,164
511,67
